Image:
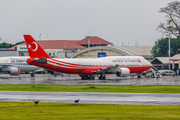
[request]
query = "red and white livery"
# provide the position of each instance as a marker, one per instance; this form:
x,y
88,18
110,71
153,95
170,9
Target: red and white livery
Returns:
x,y
122,66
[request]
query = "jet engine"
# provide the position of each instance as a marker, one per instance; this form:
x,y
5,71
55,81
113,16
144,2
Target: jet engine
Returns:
x,y
122,72
14,71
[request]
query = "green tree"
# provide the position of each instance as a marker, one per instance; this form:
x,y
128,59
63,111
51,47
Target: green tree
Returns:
x,y
19,42
172,23
9,45
161,47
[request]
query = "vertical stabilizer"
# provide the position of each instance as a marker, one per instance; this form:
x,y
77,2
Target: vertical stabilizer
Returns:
x,y
34,49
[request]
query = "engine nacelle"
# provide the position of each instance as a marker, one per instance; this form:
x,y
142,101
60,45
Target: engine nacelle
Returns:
x,y
122,72
14,71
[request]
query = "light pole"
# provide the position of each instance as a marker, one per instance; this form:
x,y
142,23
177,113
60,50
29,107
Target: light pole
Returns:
x,y
0,40
169,50
40,36
88,37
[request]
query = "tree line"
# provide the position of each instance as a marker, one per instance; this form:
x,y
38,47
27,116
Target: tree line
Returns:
x,y
9,45
161,47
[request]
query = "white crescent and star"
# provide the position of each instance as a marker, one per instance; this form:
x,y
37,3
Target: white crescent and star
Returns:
x,y
29,46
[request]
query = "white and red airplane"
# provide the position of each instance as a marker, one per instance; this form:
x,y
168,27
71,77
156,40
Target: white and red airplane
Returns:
x,y
122,66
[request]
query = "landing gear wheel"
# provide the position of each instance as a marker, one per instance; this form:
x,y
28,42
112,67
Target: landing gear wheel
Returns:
x,y
87,77
32,75
83,77
102,77
92,78
139,76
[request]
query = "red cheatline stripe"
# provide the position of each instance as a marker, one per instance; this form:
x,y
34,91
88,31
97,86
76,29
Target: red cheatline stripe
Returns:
x,y
77,65
63,65
59,63
72,65
92,68
64,62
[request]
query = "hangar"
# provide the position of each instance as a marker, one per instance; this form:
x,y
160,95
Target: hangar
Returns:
x,y
102,51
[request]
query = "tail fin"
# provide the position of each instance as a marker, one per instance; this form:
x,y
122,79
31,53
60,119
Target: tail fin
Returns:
x,y
34,49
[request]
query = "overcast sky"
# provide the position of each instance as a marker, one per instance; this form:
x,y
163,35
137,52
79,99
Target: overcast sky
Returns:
x,y
113,20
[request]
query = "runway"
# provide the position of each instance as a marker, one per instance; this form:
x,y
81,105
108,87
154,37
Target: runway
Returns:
x,y
97,98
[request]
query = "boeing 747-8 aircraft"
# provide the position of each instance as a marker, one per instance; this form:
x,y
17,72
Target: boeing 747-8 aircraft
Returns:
x,y
122,66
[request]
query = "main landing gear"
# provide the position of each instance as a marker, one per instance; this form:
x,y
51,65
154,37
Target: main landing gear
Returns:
x,y
139,76
102,77
33,74
92,77
87,77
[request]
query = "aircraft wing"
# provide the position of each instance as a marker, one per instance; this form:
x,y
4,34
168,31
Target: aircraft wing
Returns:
x,y
108,69
4,68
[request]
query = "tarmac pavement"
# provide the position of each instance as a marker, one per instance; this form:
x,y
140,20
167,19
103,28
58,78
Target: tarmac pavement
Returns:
x,y
75,80
97,98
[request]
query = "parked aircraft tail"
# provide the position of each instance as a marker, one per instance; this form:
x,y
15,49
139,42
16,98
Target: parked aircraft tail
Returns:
x,y
34,49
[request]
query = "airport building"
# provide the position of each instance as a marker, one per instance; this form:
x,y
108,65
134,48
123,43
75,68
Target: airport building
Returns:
x,y
7,52
163,63
64,48
175,61
98,47
102,51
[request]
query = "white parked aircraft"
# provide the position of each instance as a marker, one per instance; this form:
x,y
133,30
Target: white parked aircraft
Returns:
x,y
15,65
122,66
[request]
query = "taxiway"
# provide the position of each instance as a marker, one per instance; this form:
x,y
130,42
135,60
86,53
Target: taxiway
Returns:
x,y
97,98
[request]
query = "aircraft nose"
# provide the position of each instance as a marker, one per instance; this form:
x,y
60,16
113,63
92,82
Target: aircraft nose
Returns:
x,y
148,63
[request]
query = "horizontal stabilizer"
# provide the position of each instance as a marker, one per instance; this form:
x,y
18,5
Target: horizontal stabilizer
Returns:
x,y
41,61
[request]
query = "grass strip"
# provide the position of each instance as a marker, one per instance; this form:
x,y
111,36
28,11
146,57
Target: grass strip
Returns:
x,y
67,111
92,88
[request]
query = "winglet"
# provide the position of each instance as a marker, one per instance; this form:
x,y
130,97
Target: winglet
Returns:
x,y
34,49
